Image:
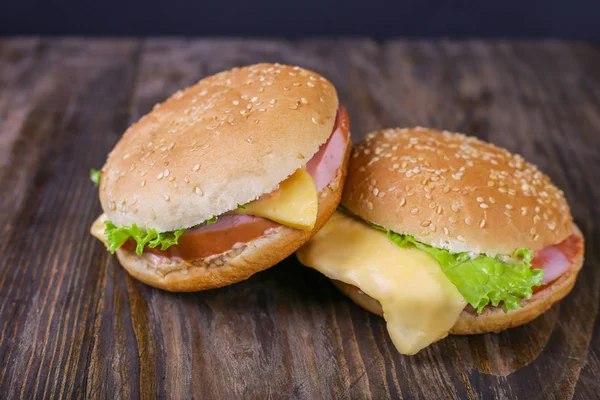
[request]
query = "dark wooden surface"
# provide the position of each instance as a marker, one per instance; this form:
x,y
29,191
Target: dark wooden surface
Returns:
x,y
74,325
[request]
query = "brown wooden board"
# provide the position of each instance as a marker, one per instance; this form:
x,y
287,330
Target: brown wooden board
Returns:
x,y
73,324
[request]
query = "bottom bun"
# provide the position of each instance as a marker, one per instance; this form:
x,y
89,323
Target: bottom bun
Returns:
x,y
493,319
239,263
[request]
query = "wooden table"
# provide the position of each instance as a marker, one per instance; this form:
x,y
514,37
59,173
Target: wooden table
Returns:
x,y
73,324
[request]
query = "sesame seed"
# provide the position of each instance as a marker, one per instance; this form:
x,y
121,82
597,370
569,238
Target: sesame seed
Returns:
x,y
315,120
310,84
480,199
160,176
414,211
426,223
483,205
300,156
196,167
536,237
468,221
166,173
186,180
166,197
432,205
143,183
509,206
375,191
402,202
303,100
370,205
460,238
446,231
482,223
198,191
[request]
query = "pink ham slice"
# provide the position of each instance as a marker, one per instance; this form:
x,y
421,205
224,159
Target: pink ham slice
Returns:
x,y
324,165
554,263
557,259
232,230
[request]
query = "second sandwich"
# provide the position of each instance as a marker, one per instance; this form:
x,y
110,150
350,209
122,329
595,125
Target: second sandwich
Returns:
x,y
441,233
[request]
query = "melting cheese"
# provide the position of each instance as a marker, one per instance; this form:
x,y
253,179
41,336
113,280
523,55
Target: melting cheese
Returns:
x,y
294,204
420,304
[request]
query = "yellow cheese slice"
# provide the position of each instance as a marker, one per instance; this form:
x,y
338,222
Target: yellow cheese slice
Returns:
x,y
419,302
295,204
97,228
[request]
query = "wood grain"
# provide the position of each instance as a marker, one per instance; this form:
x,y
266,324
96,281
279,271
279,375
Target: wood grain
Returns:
x,y
74,325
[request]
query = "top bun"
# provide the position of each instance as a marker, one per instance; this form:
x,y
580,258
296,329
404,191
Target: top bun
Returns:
x,y
224,141
454,192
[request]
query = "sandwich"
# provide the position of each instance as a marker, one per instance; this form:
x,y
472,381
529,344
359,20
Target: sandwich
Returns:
x,y
225,178
441,234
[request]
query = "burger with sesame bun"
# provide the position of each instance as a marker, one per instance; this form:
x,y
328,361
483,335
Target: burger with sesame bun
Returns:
x,y
442,233
225,178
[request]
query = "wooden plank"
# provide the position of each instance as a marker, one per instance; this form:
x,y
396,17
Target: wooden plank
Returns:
x,y
66,106
73,324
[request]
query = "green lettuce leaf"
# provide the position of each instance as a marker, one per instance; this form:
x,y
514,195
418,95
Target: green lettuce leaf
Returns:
x,y
117,235
95,176
211,221
483,280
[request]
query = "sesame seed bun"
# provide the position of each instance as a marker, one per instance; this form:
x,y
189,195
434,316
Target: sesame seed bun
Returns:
x,y
240,263
454,192
494,319
224,141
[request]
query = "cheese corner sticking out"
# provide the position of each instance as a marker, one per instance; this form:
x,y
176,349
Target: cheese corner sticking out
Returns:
x,y
97,228
419,302
295,204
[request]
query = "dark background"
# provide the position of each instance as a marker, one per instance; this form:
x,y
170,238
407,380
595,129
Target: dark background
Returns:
x,y
577,19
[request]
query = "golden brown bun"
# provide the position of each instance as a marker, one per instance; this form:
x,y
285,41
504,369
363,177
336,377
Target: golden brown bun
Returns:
x,y
222,142
237,264
454,192
493,319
